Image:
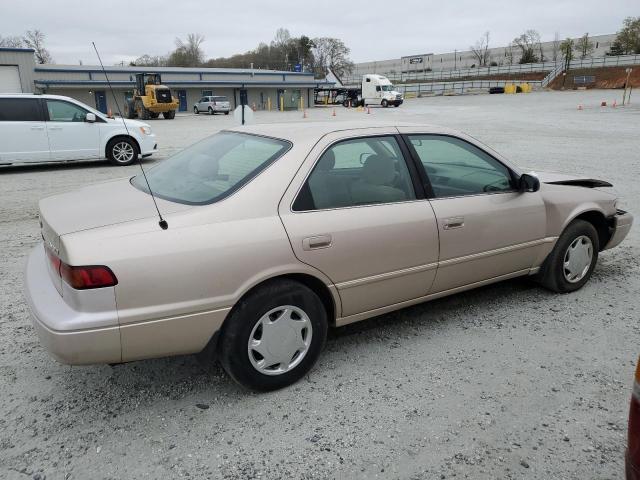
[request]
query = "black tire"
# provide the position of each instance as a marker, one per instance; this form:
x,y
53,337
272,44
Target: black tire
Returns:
x,y
115,148
552,274
237,329
154,114
345,104
211,112
143,113
196,111
130,109
396,105
227,112
384,103
170,115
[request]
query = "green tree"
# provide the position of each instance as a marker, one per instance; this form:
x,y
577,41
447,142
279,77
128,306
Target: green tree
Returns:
x,y
616,48
629,37
566,50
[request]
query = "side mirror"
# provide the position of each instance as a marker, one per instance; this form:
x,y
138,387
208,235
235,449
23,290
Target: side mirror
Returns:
x,y
529,183
91,118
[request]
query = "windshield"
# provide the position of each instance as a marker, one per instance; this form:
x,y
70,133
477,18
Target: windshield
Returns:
x,y
387,88
219,99
212,169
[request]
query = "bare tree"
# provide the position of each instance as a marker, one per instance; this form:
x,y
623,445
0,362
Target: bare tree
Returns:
x,y
331,53
555,47
584,46
188,53
35,39
481,50
527,43
11,42
149,61
508,54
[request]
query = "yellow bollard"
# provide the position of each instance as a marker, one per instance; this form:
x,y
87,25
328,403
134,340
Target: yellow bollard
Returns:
x,y
269,103
282,103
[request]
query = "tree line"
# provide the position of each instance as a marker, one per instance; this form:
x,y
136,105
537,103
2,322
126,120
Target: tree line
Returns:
x,y
529,46
284,52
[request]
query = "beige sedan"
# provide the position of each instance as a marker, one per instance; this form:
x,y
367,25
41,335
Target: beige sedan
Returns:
x,y
274,233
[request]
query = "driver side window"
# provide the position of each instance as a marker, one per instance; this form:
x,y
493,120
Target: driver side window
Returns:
x,y
457,168
60,111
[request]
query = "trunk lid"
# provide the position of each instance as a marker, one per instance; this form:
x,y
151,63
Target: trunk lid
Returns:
x,y
98,205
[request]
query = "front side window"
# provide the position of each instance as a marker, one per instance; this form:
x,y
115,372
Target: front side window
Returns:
x,y
20,110
455,167
61,111
363,171
213,168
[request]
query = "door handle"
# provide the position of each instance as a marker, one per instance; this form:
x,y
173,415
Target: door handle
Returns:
x,y
37,128
319,241
453,223
55,128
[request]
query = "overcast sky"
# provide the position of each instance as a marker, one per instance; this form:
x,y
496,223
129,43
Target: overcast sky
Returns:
x,y
374,30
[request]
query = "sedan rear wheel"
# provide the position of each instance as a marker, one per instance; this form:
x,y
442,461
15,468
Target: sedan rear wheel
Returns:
x,y
572,261
273,336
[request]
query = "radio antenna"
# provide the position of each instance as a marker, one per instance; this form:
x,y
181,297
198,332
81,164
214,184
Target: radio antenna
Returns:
x,y
163,223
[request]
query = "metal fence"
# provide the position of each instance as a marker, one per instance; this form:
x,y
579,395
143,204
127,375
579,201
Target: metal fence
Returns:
x,y
458,88
609,61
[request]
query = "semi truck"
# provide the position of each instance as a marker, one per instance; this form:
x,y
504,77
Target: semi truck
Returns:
x,y
374,90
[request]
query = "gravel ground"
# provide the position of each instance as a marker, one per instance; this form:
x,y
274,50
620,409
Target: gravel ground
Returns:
x,y
508,381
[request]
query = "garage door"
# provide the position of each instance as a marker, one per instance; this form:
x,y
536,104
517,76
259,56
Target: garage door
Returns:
x,y
10,79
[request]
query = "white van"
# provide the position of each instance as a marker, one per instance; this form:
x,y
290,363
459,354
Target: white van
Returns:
x,y
53,128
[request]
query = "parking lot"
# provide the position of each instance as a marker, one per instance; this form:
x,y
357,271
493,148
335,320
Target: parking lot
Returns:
x,y
507,381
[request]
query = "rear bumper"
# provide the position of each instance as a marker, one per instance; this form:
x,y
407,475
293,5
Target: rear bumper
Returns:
x,y
56,322
620,226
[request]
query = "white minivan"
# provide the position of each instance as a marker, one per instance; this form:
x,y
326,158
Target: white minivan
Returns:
x,y
53,128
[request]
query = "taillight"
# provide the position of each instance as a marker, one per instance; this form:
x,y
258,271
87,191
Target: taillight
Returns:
x,y
82,277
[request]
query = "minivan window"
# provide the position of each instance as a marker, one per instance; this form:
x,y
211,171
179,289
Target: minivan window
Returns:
x,y
219,99
61,111
212,169
20,110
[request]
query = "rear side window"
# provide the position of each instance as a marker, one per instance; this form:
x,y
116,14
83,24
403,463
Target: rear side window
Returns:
x,y
20,110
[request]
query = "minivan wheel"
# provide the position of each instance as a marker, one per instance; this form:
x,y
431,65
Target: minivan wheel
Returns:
x,y
274,336
210,111
195,110
573,259
122,151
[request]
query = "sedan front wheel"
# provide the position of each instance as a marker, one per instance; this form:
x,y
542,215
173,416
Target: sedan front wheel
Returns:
x,y
274,336
572,261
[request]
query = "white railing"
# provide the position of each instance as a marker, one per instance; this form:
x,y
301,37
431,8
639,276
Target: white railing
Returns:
x,y
459,88
608,61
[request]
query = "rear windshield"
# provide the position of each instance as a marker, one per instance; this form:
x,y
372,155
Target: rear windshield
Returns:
x,y
219,99
212,169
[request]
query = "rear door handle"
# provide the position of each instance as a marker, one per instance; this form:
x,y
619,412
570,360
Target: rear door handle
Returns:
x,y
37,128
453,223
319,241
55,128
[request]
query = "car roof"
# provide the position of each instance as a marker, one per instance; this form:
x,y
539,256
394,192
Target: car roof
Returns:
x,y
306,131
34,95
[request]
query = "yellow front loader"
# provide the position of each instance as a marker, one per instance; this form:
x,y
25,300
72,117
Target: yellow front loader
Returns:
x,y
151,98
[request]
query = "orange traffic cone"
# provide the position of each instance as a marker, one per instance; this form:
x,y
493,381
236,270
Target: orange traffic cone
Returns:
x,y
368,110
614,104
304,114
603,104
334,113
109,113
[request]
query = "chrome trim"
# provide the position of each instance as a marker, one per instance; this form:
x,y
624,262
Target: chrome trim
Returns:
x,y
385,276
497,251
